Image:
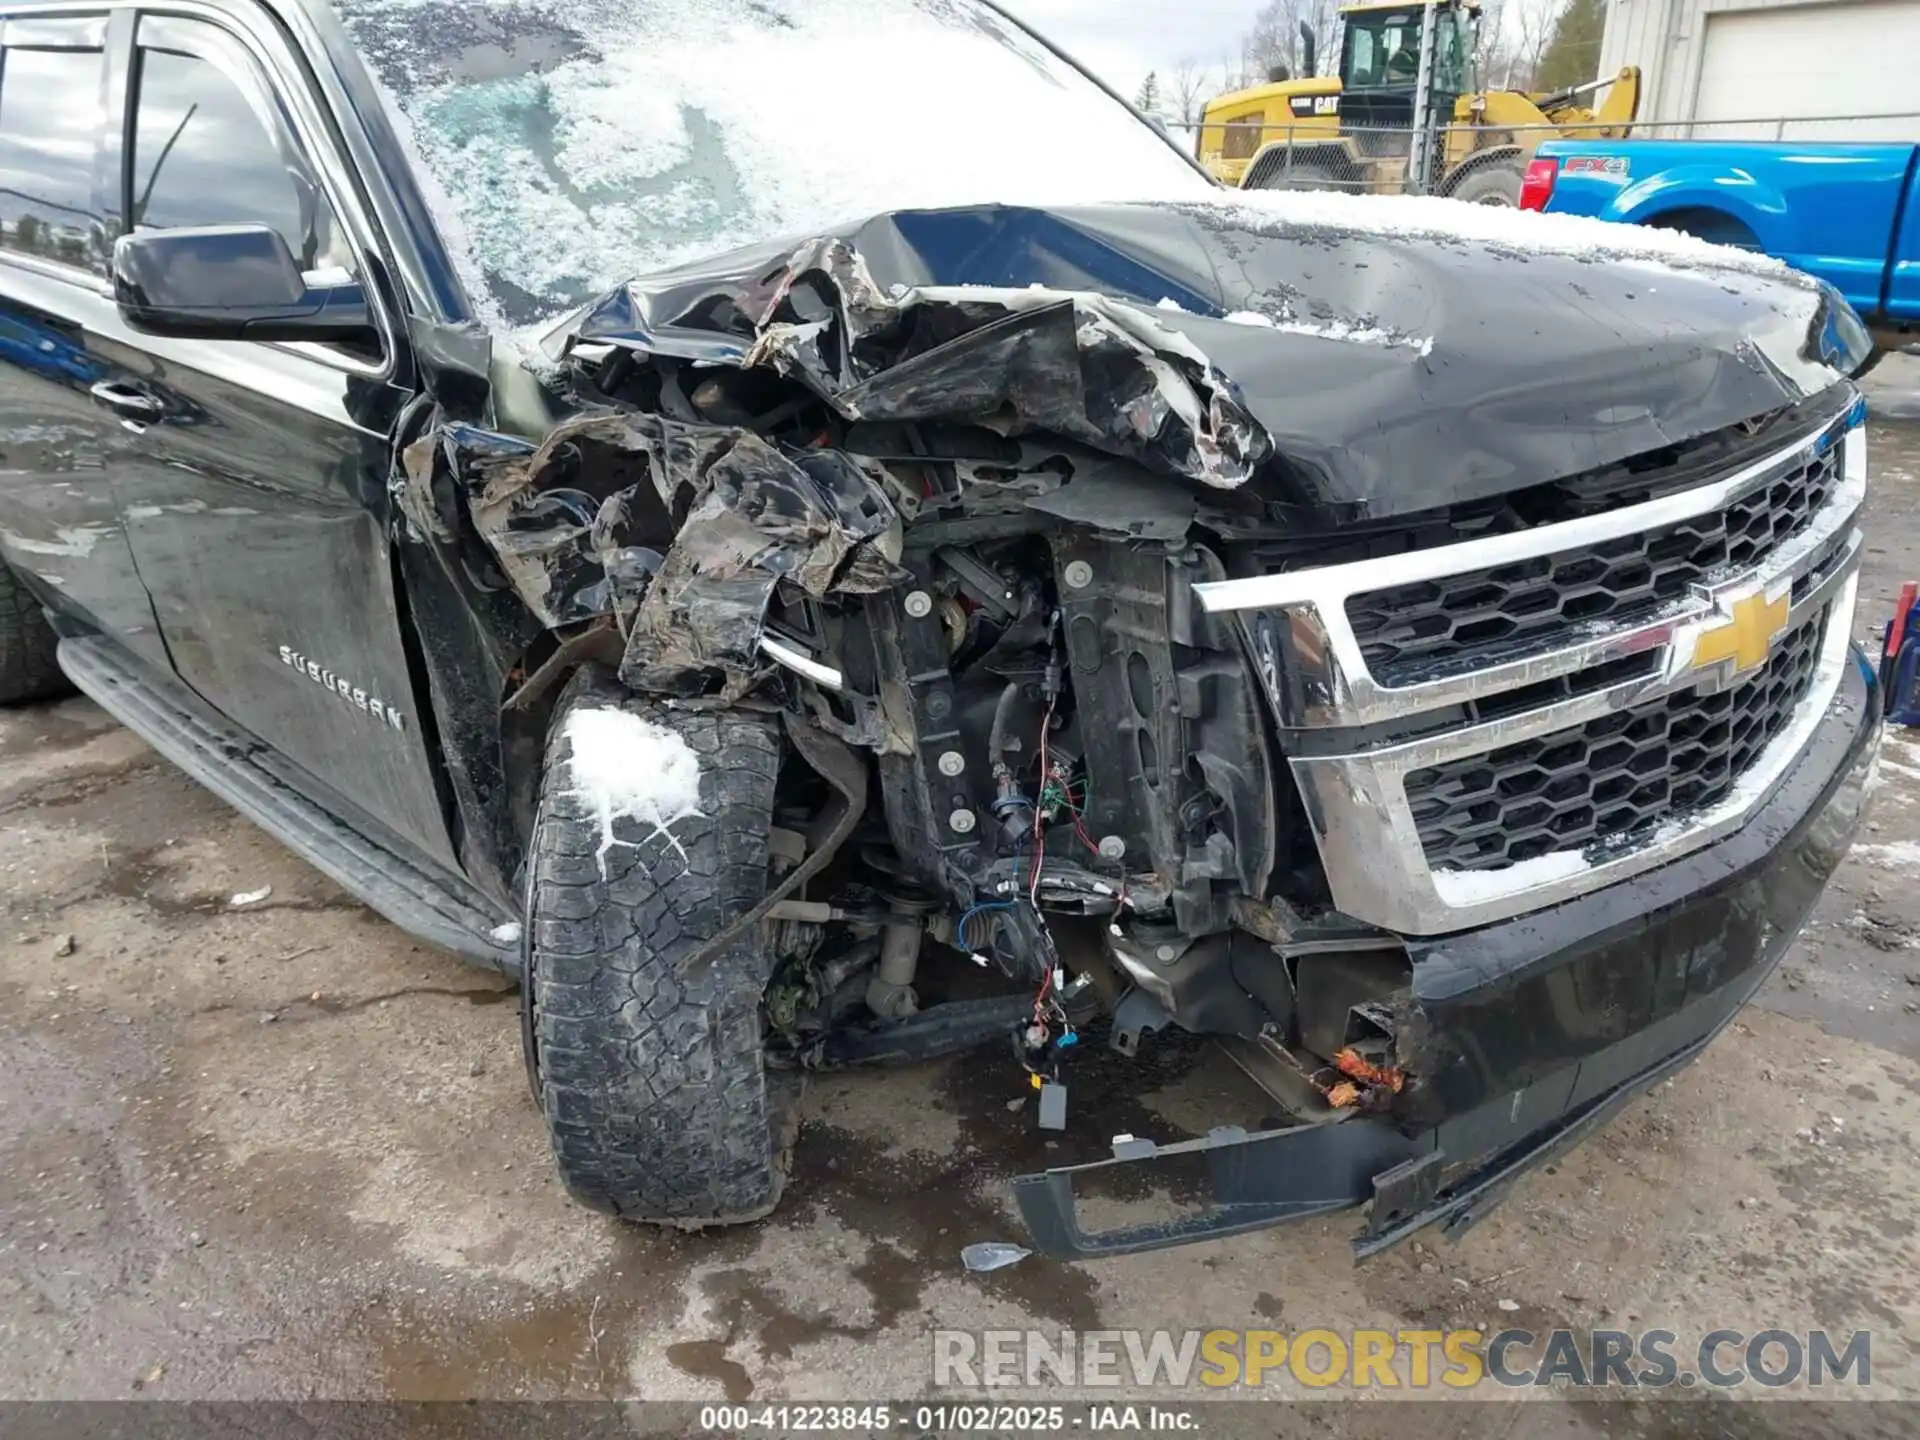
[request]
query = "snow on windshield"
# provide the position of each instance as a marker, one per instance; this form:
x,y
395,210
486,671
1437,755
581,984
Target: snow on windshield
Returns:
x,y
568,145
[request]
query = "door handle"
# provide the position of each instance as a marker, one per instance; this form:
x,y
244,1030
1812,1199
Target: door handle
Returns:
x,y
127,400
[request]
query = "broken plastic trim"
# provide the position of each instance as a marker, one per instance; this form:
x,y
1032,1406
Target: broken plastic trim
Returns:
x,y
802,664
1279,1176
1451,1156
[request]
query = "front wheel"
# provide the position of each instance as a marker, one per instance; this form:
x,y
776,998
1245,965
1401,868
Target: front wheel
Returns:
x,y
651,838
1304,176
28,670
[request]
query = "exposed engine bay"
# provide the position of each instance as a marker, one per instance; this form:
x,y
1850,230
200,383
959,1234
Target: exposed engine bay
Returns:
x,y
1055,730
952,533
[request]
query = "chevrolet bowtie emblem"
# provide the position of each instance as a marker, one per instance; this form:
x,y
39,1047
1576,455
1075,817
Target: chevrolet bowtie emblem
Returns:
x,y
1745,636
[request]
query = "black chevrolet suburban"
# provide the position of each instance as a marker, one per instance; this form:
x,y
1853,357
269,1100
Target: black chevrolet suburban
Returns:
x,y
693,507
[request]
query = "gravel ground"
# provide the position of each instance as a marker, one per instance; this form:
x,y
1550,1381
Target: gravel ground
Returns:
x,y
277,1150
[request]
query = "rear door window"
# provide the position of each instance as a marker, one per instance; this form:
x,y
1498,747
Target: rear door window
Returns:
x,y
51,208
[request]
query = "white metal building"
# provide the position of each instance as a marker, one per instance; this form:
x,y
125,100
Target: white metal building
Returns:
x,y
1794,68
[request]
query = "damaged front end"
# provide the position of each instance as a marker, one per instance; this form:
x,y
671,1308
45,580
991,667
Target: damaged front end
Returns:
x,y
1209,606
678,532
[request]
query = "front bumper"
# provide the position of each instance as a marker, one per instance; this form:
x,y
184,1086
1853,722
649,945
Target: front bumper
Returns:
x,y
1525,1036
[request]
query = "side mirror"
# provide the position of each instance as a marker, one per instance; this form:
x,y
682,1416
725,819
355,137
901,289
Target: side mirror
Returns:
x,y
232,282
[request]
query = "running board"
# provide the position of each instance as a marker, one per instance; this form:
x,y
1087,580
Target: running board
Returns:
x,y
430,907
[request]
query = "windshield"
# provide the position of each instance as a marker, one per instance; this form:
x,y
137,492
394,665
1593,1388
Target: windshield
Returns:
x,y
1383,51
568,145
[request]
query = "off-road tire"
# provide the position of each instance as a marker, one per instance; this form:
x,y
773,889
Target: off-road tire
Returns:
x,y
28,670
1304,176
1493,184
653,1081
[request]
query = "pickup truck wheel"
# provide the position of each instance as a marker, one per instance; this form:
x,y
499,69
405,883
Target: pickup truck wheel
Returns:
x,y
28,670
652,1080
1497,184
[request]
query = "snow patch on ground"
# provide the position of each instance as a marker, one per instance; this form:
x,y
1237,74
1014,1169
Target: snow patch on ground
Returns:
x,y
76,541
1473,887
626,767
1900,854
1896,767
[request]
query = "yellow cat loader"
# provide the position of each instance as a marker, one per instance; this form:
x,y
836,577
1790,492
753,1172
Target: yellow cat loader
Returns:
x,y
1404,113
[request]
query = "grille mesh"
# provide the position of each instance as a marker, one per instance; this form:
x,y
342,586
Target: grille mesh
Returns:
x,y
1611,777
1410,629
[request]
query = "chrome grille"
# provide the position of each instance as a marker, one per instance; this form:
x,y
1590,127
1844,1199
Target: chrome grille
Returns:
x,y
1614,776
1529,715
1404,629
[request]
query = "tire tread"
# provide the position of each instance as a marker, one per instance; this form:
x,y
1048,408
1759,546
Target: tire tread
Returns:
x,y
653,1082
28,669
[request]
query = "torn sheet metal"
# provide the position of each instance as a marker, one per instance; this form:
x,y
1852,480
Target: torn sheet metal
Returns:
x,y
1124,327
1076,364
679,531
573,523
756,516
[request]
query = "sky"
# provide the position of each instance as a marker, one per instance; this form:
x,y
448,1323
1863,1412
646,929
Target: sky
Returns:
x,y
1121,40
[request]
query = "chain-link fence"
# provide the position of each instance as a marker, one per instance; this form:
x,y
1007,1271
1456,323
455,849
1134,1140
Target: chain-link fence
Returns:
x,y
1482,163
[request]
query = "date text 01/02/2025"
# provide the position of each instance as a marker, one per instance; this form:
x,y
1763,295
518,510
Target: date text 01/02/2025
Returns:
x,y
944,1418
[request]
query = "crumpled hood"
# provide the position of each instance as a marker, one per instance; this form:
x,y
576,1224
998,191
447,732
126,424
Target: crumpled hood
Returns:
x,y
1389,372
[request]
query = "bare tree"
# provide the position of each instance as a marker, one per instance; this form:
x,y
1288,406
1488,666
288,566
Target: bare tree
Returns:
x,y
1273,41
1529,26
1493,53
1269,43
1323,18
1189,90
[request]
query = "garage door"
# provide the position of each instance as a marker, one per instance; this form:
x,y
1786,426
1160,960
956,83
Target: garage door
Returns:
x,y
1809,64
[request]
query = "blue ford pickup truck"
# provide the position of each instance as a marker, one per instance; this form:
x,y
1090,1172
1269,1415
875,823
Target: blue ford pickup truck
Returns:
x,y
1846,213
